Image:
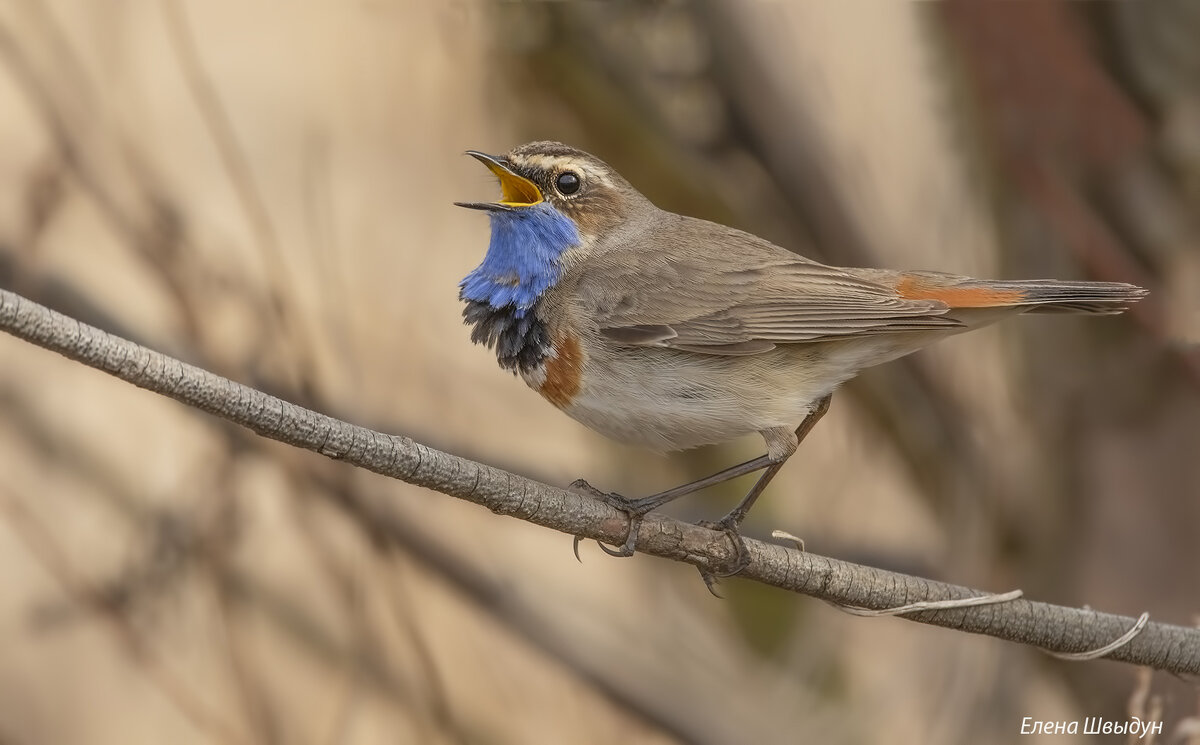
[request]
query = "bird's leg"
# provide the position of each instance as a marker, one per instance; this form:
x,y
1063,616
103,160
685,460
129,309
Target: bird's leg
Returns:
x,y
654,501
732,522
636,508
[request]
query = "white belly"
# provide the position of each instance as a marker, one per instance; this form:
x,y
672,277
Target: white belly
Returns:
x,y
668,400
665,399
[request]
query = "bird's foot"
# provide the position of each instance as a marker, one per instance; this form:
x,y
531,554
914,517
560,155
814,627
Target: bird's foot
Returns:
x,y
634,508
730,525
583,486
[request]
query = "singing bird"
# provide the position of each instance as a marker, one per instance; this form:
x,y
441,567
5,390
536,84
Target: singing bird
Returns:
x,y
672,332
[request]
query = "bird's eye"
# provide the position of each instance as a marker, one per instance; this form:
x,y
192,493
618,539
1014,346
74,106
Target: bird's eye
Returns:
x,y
567,183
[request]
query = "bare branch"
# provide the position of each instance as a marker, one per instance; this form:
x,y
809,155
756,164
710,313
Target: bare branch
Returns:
x,y
1050,627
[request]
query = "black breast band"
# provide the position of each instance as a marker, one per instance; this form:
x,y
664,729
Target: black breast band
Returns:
x,y
521,343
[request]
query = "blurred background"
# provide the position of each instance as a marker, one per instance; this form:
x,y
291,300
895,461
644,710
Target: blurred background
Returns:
x,y
264,189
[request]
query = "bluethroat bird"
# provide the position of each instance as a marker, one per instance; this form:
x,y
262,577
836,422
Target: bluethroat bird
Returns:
x,y
672,332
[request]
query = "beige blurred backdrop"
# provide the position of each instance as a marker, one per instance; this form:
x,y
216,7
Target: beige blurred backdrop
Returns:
x,y
265,189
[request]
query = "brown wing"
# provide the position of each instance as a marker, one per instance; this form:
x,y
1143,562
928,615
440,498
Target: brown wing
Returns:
x,y
702,287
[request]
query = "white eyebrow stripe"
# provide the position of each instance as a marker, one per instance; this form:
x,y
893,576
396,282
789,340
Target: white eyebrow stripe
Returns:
x,y
553,163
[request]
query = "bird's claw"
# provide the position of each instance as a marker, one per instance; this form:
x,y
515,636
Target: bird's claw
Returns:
x,y
629,506
711,581
626,549
583,486
730,526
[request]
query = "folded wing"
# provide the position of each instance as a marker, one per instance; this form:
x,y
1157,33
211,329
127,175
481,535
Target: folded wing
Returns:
x,y
741,295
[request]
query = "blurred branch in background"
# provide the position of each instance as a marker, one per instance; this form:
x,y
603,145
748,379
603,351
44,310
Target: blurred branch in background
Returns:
x,y
267,195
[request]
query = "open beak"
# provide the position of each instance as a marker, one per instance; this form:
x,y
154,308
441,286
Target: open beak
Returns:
x,y
515,191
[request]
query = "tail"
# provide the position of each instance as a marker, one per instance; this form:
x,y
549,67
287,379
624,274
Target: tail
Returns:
x,y
1036,295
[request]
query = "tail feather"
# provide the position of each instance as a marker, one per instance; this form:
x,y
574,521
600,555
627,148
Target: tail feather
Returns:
x,y
1040,295
1060,296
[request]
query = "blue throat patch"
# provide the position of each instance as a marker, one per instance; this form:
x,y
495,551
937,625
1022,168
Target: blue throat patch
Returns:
x,y
522,259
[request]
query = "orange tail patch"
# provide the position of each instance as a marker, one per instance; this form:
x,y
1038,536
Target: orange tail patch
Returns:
x,y
957,296
564,371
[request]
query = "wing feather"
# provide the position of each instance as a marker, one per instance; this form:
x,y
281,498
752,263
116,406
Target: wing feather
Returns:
x,y
715,290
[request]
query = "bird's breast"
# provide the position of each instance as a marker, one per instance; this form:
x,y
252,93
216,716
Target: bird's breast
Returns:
x,y
549,361
560,375
518,336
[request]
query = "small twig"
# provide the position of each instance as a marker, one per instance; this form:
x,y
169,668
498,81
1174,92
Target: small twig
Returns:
x,y
783,535
1004,597
1122,640
1050,627
1138,709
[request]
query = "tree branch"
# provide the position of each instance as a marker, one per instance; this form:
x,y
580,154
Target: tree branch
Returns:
x,y
1050,627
